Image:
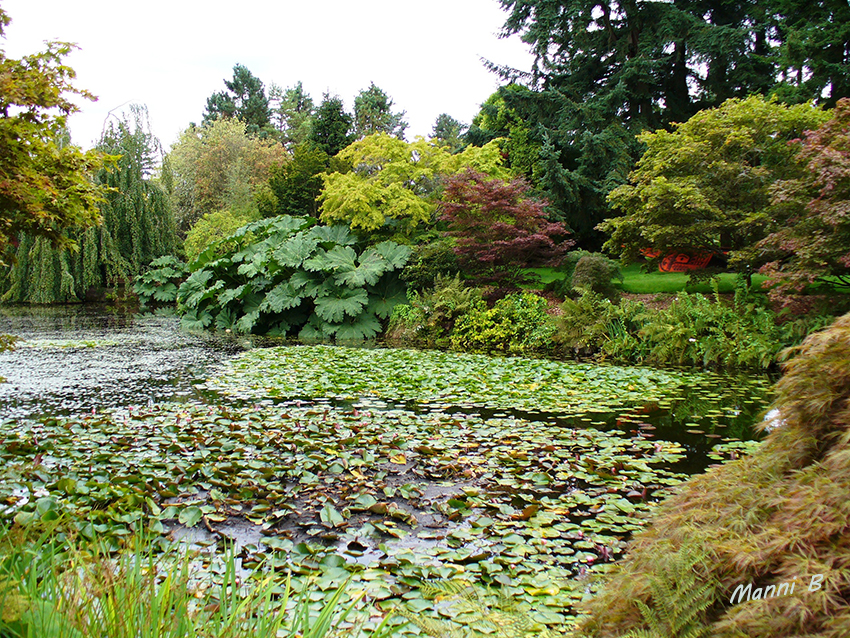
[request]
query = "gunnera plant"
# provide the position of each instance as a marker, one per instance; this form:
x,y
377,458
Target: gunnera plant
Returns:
x,y
772,529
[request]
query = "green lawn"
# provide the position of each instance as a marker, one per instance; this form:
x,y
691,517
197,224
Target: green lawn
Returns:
x,y
637,281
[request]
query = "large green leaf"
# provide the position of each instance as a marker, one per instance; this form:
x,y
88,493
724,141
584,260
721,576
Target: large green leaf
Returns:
x,y
193,320
395,254
247,322
386,295
317,330
342,302
230,294
362,327
282,297
368,271
309,284
295,250
334,235
340,258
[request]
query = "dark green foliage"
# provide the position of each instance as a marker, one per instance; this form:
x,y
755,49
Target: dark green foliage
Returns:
x,y
449,133
428,262
160,283
777,515
331,128
519,323
245,99
429,317
137,228
297,184
285,275
373,114
693,330
605,72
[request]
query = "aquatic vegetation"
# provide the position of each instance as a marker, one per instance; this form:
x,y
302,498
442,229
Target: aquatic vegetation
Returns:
x,y
389,467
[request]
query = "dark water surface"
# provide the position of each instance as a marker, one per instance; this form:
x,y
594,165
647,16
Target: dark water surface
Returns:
x,y
75,359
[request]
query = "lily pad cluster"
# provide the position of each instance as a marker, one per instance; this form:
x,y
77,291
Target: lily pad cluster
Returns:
x,y
287,276
366,481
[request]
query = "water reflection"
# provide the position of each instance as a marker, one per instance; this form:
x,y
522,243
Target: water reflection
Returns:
x,y
75,359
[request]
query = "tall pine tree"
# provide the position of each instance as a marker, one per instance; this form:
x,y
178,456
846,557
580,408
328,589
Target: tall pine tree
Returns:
x,y
605,71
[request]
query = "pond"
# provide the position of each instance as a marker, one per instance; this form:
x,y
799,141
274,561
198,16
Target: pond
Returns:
x,y
396,466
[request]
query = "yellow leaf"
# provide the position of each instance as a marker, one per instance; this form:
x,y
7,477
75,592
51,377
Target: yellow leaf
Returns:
x,y
398,459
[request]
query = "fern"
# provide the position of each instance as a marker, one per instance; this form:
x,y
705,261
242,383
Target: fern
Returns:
x,y
680,598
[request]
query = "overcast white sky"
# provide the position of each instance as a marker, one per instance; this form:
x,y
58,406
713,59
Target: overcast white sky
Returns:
x,y
172,54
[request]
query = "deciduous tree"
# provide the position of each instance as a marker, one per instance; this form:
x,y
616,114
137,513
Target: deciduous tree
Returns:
x,y
393,185
813,240
45,185
218,166
498,229
706,184
137,227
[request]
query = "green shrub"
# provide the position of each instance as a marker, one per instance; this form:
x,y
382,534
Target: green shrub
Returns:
x,y
519,323
693,330
428,262
287,275
161,282
429,317
595,272
212,228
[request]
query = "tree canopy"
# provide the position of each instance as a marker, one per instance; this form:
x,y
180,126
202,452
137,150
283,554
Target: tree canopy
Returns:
x,y
292,113
45,185
394,184
245,99
604,72
373,114
137,227
706,185
218,166
812,242
498,229
331,127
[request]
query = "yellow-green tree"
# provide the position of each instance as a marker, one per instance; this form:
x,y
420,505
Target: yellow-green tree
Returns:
x,y
394,185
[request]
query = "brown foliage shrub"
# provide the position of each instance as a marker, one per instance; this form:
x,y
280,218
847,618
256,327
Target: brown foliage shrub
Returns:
x,y
781,514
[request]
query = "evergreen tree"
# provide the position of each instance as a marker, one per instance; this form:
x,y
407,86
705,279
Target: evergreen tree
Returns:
x,y
297,184
604,72
373,114
449,133
331,129
244,99
292,113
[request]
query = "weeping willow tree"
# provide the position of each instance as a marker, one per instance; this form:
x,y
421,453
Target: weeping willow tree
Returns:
x,y
137,227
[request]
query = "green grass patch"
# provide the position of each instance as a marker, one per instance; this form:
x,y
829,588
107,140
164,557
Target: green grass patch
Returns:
x,y
646,283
